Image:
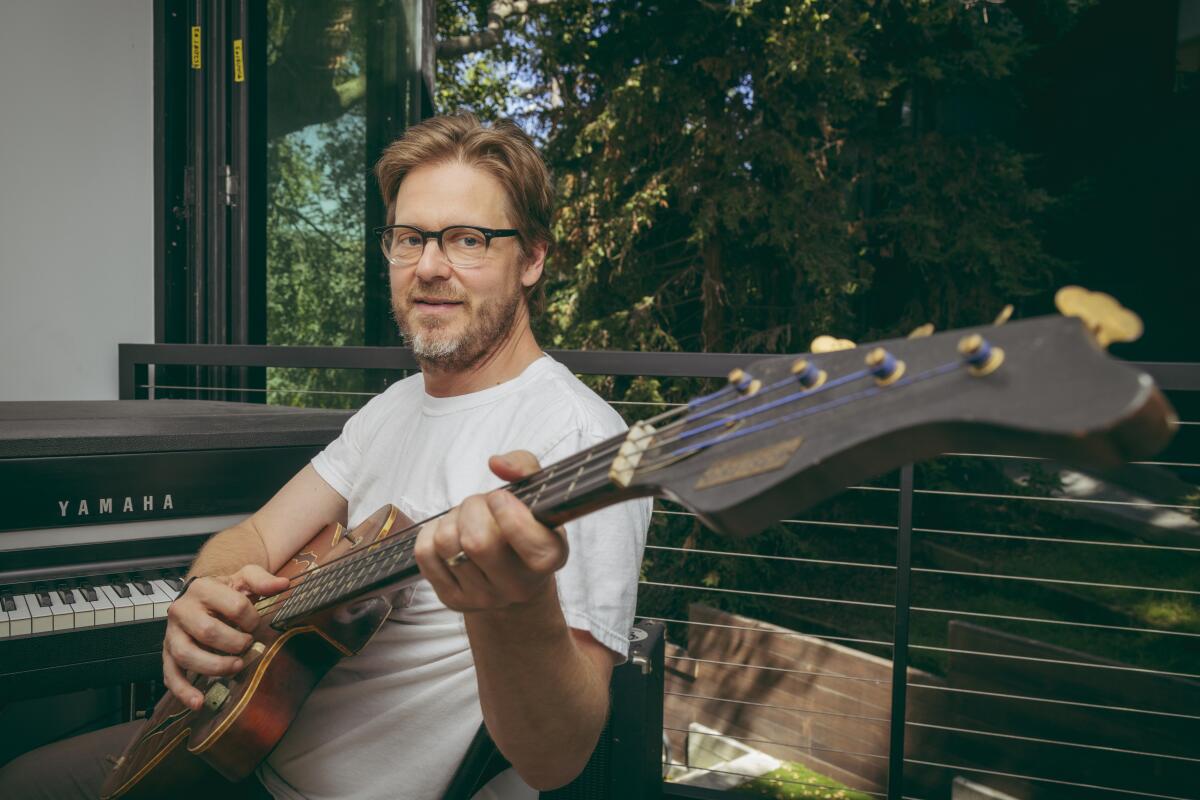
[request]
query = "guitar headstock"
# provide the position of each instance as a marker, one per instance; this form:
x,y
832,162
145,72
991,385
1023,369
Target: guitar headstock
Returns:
x,y
788,432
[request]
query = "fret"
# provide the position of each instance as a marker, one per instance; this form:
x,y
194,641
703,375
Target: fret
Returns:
x,y
574,481
541,488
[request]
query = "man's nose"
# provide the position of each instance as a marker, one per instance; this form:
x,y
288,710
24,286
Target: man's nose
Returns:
x,y
432,265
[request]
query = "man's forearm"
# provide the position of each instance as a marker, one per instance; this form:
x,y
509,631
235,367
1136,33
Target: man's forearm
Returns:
x,y
544,699
230,550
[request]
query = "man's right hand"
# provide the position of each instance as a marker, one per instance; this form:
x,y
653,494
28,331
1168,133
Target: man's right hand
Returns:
x,y
210,625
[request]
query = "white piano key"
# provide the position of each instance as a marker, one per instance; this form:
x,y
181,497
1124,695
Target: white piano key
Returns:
x,y
64,617
42,621
85,615
166,591
122,606
103,608
143,605
162,597
20,620
3,623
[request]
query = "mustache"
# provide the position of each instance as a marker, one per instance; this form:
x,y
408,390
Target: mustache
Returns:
x,y
435,292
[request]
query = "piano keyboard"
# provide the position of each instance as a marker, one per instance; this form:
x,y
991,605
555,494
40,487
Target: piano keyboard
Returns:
x,y
85,604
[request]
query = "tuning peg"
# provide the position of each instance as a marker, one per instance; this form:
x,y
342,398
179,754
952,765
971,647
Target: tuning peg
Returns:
x,y
981,357
743,382
809,376
829,344
1004,315
921,331
886,368
1107,319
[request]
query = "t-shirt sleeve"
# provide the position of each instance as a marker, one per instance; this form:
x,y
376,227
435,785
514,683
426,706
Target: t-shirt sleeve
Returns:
x,y
340,463
597,587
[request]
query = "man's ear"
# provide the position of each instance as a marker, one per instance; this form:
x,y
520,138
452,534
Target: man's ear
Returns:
x,y
531,273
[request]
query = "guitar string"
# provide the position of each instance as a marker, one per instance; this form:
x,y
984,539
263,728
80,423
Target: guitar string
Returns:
x,y
872,391
766,424
546,476
596,455
403,541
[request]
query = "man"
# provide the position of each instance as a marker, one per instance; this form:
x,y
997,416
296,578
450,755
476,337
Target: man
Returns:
x,y
504,626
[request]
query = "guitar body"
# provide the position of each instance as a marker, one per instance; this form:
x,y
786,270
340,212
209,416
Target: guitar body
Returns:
x,y
185,753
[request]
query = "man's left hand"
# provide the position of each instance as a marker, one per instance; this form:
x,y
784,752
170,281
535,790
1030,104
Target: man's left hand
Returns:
x,y
511,558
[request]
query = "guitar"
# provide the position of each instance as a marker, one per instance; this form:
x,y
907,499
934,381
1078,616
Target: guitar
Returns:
x,y
782,435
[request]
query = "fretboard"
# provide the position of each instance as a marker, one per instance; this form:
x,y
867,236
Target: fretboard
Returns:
x,y
557,494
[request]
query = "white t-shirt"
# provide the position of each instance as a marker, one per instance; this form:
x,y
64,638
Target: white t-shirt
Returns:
x,y
395,720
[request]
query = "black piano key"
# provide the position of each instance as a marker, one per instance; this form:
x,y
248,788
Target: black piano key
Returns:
x,y
43,597
88,593
173,582
7,603
66,595
143,586
119,586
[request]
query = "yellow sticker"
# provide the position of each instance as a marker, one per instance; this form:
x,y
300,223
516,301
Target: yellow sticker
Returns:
x,y
239,74
195,47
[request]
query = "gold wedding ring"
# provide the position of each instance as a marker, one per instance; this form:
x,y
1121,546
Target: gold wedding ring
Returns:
x,y
458,558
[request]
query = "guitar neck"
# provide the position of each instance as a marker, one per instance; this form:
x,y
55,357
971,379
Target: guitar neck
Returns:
x,y
562,492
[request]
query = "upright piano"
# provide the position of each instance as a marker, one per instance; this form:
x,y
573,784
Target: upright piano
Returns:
x,y
104,504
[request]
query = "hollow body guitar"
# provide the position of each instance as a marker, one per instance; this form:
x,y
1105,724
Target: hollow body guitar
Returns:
x,y
781,436
185,753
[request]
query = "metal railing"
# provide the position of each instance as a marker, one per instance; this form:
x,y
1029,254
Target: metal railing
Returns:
x,y
987,668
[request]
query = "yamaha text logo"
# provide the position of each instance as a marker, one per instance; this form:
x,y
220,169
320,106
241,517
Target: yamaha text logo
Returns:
x,y
103,506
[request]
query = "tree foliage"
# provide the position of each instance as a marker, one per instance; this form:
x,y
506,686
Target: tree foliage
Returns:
x,y
745,176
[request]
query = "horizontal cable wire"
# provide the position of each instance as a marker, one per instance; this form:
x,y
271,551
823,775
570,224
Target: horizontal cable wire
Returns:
x,y
1046,780
158,386
781,669
788,745
774,595
1064,581
1064,622
780,780
797,559
813,711
1040,458
996,496
770,632
794,521
644,403
1084,664
1055,701
1183,422
1053,540
1050,741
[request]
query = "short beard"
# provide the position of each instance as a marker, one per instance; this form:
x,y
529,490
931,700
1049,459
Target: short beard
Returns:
x,y
490,325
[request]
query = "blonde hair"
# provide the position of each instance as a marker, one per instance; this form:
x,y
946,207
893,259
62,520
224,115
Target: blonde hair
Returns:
x,y
501,149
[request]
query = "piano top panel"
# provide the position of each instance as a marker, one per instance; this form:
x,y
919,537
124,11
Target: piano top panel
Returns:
x,y
96,427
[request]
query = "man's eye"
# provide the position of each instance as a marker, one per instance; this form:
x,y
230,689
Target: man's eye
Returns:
x,y
411,240
470,241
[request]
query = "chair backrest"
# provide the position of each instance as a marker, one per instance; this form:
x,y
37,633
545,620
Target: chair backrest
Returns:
x,y
627,761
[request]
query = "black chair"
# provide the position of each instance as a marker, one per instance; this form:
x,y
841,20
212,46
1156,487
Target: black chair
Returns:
x,y
627,761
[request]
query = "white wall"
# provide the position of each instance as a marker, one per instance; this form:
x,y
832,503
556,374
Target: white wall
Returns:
x,y
76,193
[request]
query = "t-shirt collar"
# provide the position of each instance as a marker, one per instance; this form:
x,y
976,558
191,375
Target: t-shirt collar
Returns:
x,y
437,406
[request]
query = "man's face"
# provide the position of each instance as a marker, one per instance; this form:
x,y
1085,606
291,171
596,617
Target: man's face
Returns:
x,y
451,317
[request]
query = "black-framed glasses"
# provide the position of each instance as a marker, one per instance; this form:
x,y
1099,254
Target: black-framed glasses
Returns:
x,y
464,246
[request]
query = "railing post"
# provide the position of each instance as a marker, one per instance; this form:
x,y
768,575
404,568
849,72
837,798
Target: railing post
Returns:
x,y
900,636
130,375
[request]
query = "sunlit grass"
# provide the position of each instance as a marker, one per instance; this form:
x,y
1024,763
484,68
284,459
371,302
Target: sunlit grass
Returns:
x,y
794,780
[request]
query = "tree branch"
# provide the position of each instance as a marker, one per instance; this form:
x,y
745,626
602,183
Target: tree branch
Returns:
x,y
498,12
